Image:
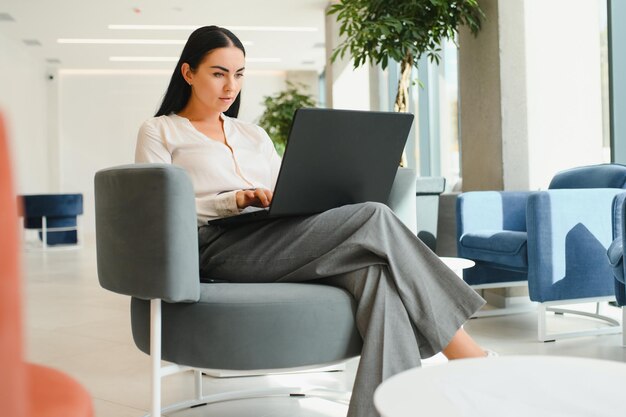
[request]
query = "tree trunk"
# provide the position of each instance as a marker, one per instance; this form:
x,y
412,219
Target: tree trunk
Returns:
x,y
402,96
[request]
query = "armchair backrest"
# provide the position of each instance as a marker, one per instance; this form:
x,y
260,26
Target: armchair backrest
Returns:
x,y
491,210
592,176
147,232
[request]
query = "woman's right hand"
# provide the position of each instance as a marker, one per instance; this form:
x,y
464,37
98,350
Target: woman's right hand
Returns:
x,y
258,197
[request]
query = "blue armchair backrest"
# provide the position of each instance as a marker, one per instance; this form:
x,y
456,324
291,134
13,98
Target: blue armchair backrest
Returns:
x,y
593,176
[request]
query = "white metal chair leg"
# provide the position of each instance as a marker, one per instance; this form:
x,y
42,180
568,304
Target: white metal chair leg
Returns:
x,y
159,372
44,232
155,355
541,323
197,383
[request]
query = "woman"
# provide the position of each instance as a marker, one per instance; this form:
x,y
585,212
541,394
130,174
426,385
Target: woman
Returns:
x,y
409,305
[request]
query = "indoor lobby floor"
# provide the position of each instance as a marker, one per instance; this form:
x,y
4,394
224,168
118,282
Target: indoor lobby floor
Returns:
x,y
75,326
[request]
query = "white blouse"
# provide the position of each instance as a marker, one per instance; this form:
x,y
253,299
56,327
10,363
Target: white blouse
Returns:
x,y
216,172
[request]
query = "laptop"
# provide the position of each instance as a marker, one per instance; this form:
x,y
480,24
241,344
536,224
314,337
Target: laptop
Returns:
x,y
334,158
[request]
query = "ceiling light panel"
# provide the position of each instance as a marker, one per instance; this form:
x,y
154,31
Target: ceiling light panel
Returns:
x,y
175,59
122,41
233,28
143,59
83,41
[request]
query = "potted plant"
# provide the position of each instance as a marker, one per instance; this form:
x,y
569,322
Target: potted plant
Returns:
x,y
401,30
279,110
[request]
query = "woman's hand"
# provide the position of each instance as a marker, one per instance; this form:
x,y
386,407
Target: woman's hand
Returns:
x,y
259,197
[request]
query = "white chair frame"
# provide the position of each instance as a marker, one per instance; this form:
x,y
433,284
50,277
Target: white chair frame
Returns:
x,y
612,327
44,229
159,372
504,311
624,326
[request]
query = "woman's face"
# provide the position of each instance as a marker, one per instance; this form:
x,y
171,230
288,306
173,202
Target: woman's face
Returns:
x,y
218,79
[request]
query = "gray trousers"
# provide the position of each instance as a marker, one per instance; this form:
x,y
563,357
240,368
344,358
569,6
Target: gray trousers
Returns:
x,y
409,304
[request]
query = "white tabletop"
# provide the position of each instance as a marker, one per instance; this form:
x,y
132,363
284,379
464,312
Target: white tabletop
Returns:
x,y
512,386
457,264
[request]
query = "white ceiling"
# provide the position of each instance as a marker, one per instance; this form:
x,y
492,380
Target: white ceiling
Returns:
x,y
48,20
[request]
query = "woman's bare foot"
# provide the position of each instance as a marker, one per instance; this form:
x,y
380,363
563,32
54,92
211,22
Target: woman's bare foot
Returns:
x,y
463,346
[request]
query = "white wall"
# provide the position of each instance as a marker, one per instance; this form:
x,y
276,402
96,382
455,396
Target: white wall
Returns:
x,y
23,103
63,130
351,89
99,116
310,81
564,104
531,102
346,87
98,120
257,85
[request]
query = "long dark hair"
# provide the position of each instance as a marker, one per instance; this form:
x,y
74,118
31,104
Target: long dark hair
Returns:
x,y
202,41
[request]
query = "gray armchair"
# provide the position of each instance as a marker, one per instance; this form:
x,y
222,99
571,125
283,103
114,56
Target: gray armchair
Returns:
x,y
147,248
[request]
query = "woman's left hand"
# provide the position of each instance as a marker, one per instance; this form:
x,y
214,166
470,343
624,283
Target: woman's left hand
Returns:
x,y
258,197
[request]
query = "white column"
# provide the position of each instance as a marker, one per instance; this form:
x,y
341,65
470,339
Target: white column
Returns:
x,y
346,87
530,93
53,130
564,102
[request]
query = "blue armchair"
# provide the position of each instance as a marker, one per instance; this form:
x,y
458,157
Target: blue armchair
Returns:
x,y
54,216
554,240
616,256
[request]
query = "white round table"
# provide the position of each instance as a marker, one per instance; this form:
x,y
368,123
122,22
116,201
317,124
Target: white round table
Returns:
x,y
512,386
457,264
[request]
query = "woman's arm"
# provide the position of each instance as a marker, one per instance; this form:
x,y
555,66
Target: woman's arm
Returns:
x,y
152,148
272,157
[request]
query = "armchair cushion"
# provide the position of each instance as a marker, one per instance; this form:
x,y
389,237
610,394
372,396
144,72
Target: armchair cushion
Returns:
x,y
51,205
502,247
254,326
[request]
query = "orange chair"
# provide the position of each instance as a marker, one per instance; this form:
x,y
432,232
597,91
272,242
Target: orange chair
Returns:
x,y
25,389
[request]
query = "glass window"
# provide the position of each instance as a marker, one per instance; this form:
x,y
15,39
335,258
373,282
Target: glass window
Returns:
x,y
604,62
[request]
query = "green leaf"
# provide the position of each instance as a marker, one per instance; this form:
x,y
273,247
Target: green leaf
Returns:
x,y
279,110
384,30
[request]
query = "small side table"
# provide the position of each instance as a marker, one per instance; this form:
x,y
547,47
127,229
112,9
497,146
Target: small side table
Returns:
x,y
512,386
457,264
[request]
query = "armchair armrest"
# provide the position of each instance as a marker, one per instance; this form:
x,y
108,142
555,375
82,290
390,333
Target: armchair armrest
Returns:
x,y
618,215
616,251
569,231
491,210
147,232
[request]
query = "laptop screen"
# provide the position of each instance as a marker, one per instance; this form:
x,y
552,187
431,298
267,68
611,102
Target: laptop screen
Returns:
x,y
338,157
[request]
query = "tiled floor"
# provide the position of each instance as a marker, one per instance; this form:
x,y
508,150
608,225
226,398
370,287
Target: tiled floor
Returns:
x,y
74,325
